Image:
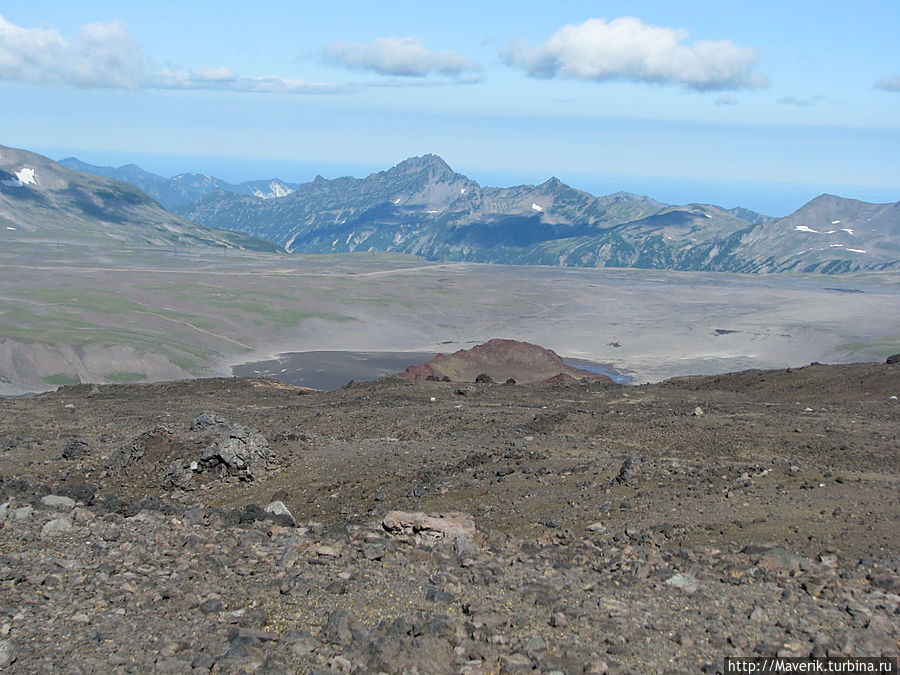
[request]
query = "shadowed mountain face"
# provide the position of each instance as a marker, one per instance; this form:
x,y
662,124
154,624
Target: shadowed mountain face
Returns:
x,y
501,360
422,207
41,200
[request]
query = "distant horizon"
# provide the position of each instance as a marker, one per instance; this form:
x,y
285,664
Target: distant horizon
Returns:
x,y
764,105
775,199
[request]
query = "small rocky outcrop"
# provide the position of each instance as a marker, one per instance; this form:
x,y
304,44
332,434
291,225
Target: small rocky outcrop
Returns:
x,y
213,448
75,448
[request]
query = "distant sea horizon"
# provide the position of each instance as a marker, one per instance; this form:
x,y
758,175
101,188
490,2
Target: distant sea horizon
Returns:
x,y
776,199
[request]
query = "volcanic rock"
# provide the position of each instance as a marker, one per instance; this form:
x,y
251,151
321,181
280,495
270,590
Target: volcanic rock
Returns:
x,y
245,452
499,361
432,527
75,448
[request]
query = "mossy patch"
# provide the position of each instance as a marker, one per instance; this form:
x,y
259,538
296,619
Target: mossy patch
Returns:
x,y
124,377
880,348
61,379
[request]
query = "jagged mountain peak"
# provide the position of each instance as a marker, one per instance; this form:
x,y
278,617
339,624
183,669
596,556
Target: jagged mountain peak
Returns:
x,y
554,184
419,163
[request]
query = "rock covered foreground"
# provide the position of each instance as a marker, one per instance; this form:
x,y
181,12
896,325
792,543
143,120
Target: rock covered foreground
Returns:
x,y
147,588
575,529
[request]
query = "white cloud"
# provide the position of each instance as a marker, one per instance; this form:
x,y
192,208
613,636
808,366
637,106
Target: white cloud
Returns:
x,y
801,101
104,56
627,49
891,83
101,55
404,57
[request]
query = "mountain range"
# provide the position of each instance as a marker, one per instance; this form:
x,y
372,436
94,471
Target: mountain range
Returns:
x,y
43,201
184,188
422,207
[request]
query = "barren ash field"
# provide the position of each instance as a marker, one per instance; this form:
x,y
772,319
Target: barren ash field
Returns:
x,y
245,525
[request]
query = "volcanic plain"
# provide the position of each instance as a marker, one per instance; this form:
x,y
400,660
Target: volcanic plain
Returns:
x,y
72,313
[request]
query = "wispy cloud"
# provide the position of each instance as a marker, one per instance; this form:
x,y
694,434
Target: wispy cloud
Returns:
x,y
801,101
223,79
627,49
401,57
891,83
105,56
726,99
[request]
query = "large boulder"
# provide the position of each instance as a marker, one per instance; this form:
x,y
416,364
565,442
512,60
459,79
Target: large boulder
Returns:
x,y
243,452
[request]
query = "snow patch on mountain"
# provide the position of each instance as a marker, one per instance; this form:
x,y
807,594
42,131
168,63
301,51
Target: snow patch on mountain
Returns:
x,y
23,177
276,190
26,176
536,207
805,228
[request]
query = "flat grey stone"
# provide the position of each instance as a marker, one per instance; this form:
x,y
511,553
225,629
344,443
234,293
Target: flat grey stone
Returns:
x,y
278,508
685,582
7,653
57,526
58,501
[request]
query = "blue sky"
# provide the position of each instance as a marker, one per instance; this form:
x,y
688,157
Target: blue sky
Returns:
x,y
763,104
